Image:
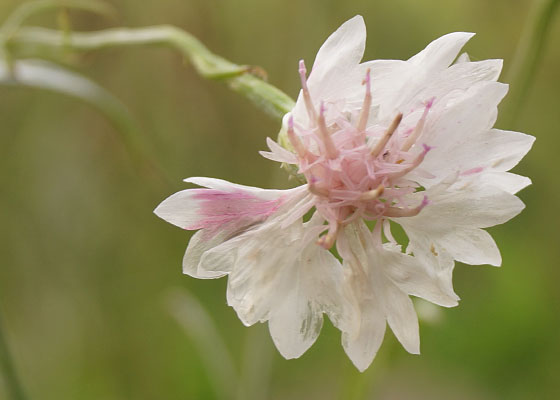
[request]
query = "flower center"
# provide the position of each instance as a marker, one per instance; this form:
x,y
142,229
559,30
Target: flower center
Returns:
x,y
355,168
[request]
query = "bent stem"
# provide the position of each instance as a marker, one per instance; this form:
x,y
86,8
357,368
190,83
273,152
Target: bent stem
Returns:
x,y
13,385
41,42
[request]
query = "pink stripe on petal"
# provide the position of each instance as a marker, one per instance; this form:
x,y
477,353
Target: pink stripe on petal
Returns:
x,y
218,208
472,171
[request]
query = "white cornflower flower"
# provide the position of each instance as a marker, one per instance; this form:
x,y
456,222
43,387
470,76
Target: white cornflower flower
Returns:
x,y
379,143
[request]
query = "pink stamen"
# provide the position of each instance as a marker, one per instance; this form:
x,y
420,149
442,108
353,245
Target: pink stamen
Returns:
x,y
351,173
373,194
294,140
395,212
330,148
419,127
366,105
306,95
317,191
327,241
380,145
417,161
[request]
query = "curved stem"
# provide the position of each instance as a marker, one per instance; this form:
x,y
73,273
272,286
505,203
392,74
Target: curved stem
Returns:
x,y
26,10
40,42
528,55
13,385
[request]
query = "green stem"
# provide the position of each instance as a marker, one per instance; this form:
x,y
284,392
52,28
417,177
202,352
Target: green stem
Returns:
x,y
13,385
40,42
528,55
27,10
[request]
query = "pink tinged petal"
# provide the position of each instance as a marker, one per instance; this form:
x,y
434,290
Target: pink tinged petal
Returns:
x,y
225,202
218,208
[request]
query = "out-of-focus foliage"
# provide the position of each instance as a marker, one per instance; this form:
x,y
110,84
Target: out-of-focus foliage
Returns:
x,y
87,269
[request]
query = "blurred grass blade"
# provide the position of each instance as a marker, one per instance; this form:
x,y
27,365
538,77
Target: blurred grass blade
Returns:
x,y
40,74
257,364
7,369
199,326
44,75
27,10
528,55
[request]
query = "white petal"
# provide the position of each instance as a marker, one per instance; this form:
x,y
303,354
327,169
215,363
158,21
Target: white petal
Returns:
x,y
440,53
420,72
413,277
278,153
225,186
378,298
458,78
219,260
198,245
506,181
448,227
468,203
335,72
471,246
294,326
463,58
341,52
181,209
296,320
281,275
504,149
402,318
482,151
455,124
362,347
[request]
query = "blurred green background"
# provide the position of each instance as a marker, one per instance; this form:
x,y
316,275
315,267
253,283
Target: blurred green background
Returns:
x,y
89,276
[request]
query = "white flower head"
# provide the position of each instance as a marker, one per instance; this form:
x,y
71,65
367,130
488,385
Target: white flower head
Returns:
x,y
379,143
